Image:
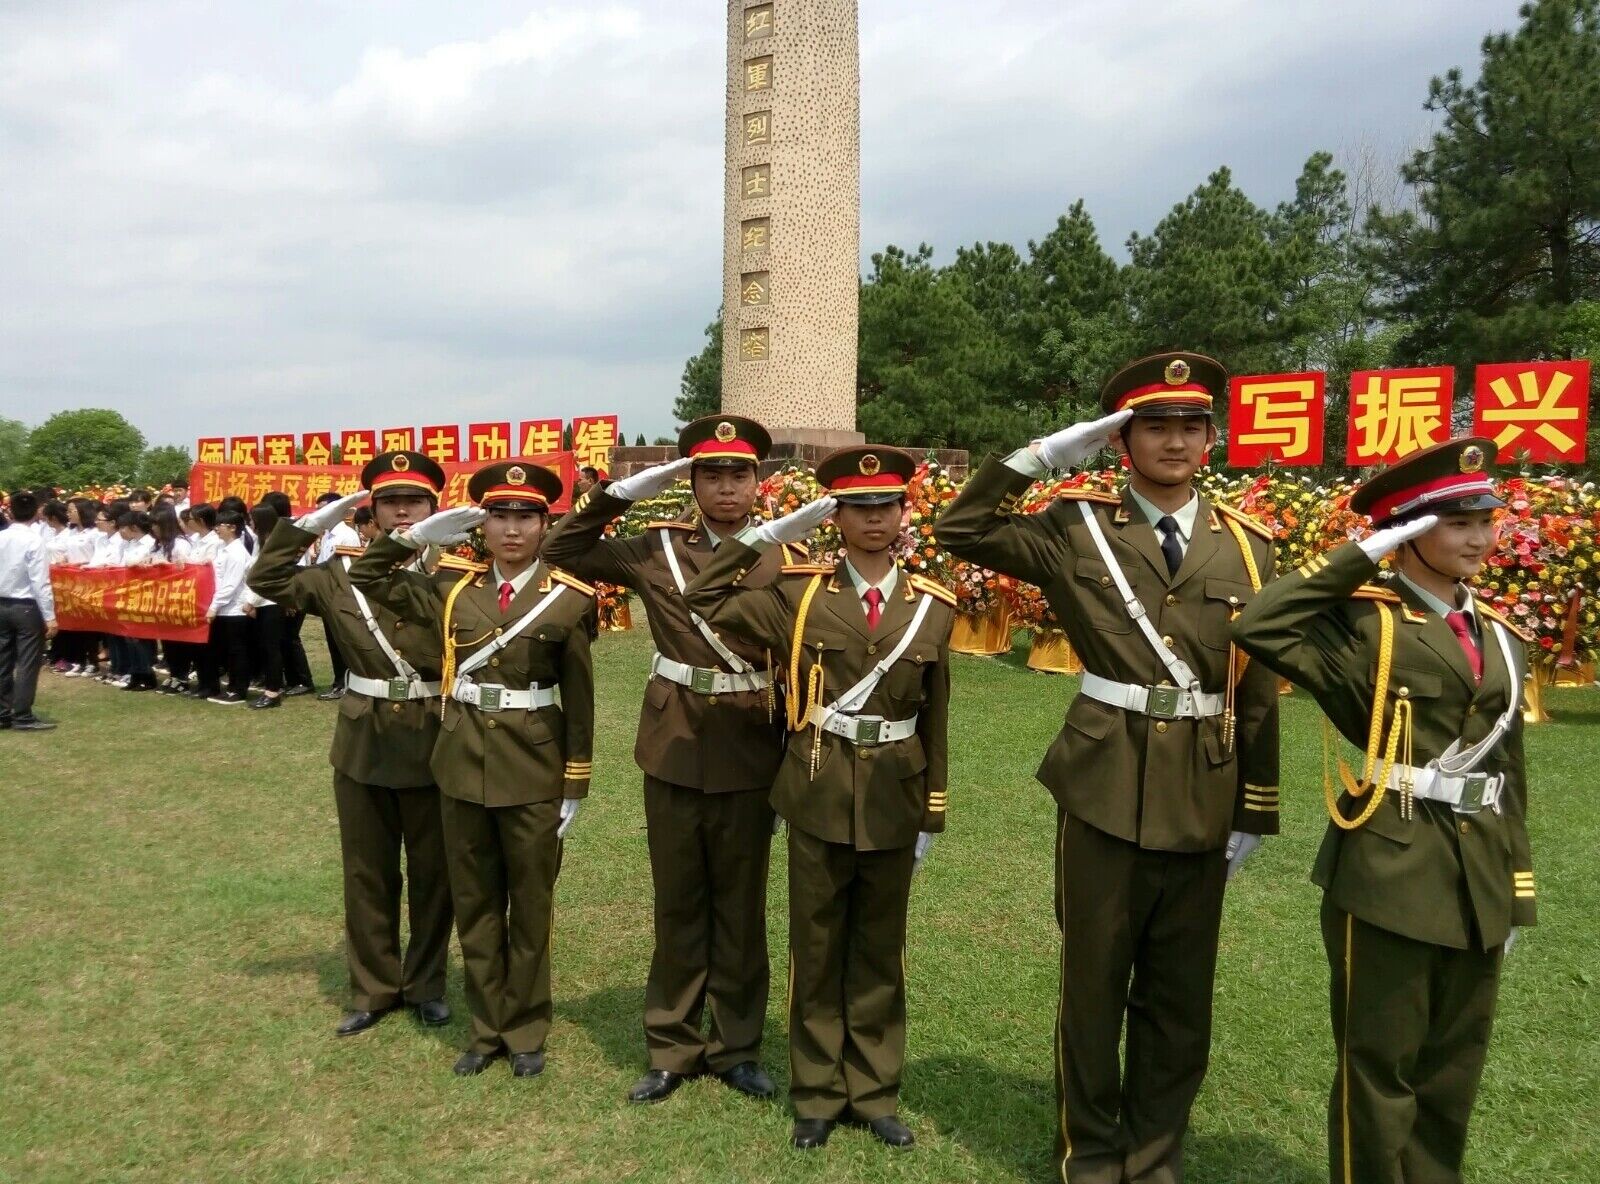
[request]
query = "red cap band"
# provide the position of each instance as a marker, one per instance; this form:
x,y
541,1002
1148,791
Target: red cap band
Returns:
x,y
717,450
410,480
859,483
1162,392
508,493
1451,485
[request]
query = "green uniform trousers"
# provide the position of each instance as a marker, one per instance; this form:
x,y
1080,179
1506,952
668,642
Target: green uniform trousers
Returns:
x,y
375,823
503,866
708,860
1411,1023
1138,941
847,983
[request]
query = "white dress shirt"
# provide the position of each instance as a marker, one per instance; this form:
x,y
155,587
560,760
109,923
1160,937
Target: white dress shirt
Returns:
x,y
340,534
80,544
1183,517
206,547
136,551
518,581
886,585
25,571
107,550
231,565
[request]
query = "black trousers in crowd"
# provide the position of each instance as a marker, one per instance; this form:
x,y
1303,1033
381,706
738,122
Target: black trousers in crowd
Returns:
x,y
296,669
269,633
227,652
21,652
334,656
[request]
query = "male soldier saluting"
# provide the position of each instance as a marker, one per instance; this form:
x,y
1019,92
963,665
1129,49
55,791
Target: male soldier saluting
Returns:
x,y
709,746
1165,751
1425,871
387,722
862,785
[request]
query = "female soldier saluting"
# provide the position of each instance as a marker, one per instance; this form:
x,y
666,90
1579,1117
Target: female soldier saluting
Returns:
x,y
511,763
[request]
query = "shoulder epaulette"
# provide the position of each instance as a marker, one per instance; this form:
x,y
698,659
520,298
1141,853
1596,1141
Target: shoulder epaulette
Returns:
x,y
671,526
1253,525
1495,614
1375,592
572,581
353,552
806,569
457,563
1085,494
934,589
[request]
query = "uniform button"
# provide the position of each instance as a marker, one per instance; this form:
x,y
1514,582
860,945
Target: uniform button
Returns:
x,y
494,661
398,654
1171,599
1166,682
493,725
872,649
1466,827
1105,581
498,631
1472,709
1167,641
397,709
711,699
399,624
1161,725
863,753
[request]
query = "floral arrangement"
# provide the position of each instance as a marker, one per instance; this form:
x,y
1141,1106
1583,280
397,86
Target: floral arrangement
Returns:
x,y
1546,557
670,505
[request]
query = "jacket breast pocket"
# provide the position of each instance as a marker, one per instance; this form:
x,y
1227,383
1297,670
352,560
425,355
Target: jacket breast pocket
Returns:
x,y
1095,590
903,682
1417,684
1222,599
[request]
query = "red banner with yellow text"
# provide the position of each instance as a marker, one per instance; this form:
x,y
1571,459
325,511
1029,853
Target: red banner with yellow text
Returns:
x,y
160,603
304,484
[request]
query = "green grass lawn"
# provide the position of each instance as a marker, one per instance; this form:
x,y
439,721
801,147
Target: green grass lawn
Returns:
x,y
170,920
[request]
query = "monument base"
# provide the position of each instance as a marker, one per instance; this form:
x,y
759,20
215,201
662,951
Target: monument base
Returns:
x,y
790,446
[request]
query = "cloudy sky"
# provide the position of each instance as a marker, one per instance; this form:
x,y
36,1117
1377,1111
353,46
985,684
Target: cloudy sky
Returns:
x,y
223,217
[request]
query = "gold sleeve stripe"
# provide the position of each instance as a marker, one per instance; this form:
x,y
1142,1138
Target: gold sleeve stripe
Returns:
x,y
1260,809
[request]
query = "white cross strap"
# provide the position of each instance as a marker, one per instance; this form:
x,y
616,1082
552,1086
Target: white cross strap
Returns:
x,y
1176,666
738,664
480,657
852,699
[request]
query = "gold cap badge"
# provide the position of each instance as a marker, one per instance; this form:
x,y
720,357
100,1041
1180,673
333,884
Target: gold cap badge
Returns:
x,y
726,433
1471,459
516,475
870,464
1177,372
400,463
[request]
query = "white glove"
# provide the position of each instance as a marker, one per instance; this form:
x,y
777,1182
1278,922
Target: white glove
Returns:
x,y
1380,542
1511,939
1072,446
569,811
651,481
445,528
1240,847
924,845
325,518
777,823
792,527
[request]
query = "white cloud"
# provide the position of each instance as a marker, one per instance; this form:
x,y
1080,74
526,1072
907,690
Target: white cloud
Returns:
x,y
282,216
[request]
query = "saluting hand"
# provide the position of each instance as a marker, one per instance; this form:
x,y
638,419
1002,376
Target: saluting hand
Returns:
x,y
1380,542
651,481
793,527
1072,446
324,519
446,528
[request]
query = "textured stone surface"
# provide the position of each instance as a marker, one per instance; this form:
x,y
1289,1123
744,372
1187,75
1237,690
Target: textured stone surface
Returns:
x,y
792,219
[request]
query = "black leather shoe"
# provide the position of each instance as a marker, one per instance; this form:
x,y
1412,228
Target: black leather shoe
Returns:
x,y
889,1129
433,1012
749,1079
357,1021
298,689
527,1064
32,724
328,696
656,1086
811,1132
267,701
470,1063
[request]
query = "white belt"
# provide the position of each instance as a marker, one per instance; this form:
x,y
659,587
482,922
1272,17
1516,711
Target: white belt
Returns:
x,y
492,697
708,682
390,688
1465,793
1156,702
863,730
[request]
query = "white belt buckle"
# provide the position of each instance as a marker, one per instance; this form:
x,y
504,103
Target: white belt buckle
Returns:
x,y
1474,792
489,696
1163,702
703,681
399,688
869,731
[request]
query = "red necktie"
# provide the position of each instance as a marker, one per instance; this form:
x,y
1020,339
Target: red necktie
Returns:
x,y
1458,625
505,596
874,599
